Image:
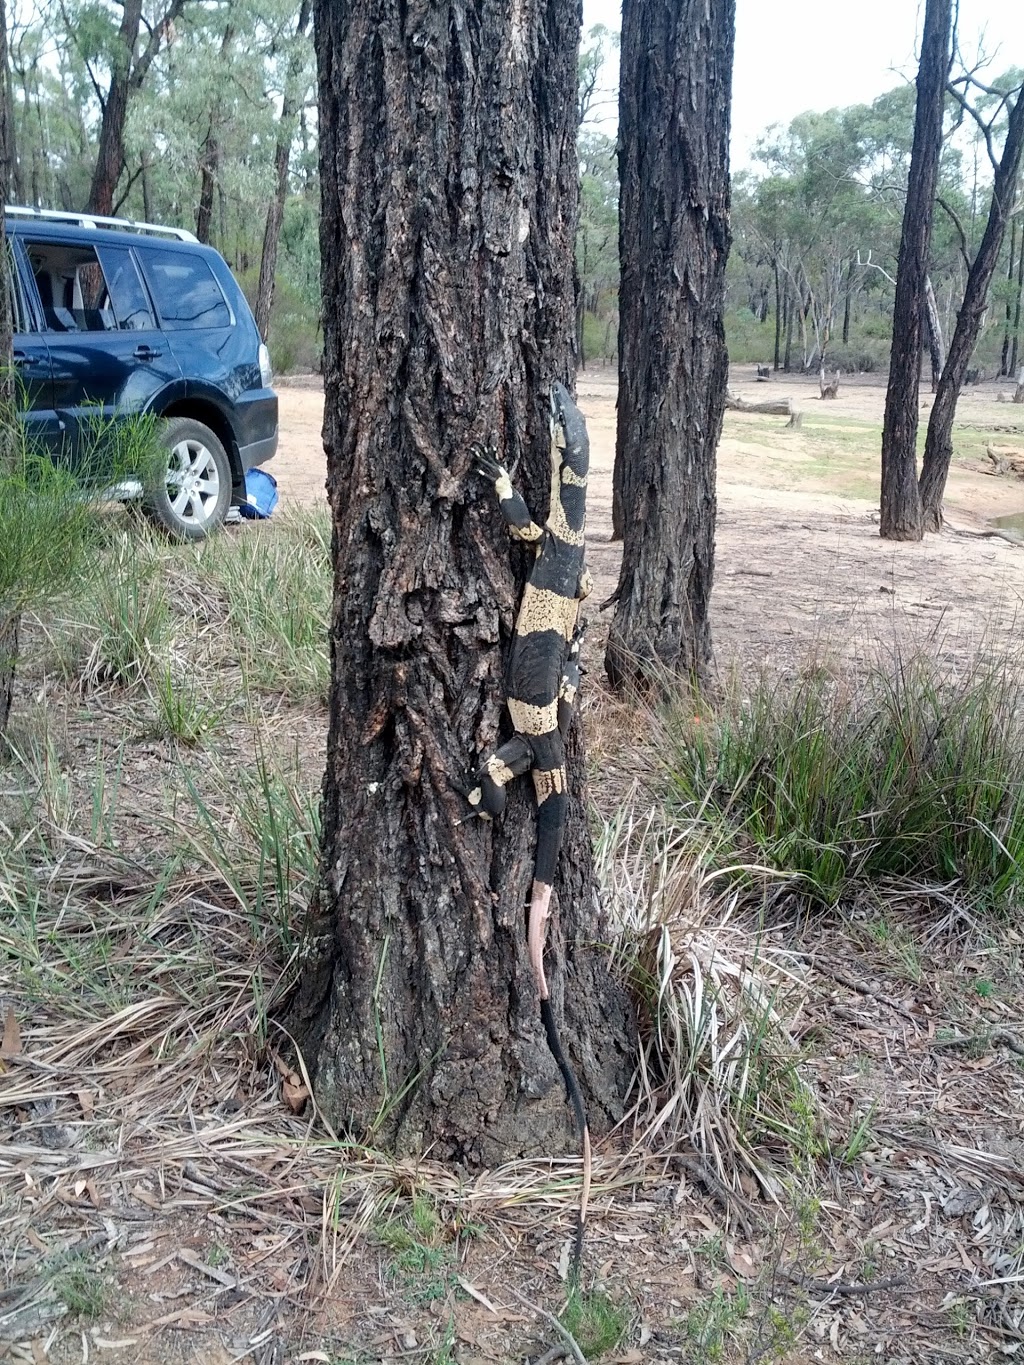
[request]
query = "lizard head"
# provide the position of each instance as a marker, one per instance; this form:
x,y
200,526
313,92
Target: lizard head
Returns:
x,y
570,447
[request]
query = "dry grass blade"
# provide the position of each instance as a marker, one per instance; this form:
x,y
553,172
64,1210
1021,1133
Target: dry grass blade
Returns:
x,y
718,1069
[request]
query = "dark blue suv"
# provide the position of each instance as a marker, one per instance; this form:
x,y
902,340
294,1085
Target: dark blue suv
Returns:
x,y
114,317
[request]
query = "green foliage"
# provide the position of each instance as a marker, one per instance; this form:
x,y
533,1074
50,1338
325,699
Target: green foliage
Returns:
x,y
277,587
126,613
46,527
76,1283
596,1321
819,790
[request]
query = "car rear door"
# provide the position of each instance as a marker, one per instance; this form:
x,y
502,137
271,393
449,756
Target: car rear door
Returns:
x,y
107,355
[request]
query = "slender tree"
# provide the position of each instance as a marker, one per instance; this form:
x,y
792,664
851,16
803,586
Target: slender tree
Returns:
x,y
9,619
295,87
676,72
938,449
449,203
129,63
901,517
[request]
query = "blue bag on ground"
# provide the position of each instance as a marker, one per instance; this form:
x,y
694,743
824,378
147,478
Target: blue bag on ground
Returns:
x,y
260,494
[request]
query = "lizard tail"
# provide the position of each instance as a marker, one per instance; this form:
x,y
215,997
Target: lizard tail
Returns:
x,y
572,1089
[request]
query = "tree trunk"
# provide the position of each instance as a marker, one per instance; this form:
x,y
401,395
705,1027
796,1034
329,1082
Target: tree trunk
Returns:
x,y
110,154
294,97
848,301
209,157
787,358
933,331
1004,358
938,448
9,618
676,74
778,315
1016,310
126,77
449,204
900,499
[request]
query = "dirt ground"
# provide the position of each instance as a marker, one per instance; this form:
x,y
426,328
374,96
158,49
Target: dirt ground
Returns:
x,y
148,1151
799,562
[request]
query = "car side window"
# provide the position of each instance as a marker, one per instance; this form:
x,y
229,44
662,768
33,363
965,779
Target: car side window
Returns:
x,y
187,295
71,286
127,293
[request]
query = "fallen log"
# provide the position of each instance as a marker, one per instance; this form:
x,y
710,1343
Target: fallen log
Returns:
x,y
1006,461
772,407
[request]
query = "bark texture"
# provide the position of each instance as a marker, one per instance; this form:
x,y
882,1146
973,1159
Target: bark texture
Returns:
x,y
294,96
449,184
938,447
676,73
900,499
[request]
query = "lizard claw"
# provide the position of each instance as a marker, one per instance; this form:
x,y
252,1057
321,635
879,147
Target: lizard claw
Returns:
x,y
485,464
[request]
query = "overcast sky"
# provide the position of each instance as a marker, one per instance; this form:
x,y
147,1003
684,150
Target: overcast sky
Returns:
x,y
794,55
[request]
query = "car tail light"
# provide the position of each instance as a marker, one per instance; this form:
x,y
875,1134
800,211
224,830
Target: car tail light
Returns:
x,y
266,369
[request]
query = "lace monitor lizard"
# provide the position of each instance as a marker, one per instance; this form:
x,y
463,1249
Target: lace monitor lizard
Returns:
x,y
542,681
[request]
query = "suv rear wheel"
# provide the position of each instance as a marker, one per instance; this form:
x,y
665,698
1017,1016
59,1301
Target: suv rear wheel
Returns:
x,y
193,497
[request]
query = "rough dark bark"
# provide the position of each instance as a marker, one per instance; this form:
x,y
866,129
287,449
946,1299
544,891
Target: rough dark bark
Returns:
x,y
449,206
676,74
900,499
9,619
938,447
293,99
127,74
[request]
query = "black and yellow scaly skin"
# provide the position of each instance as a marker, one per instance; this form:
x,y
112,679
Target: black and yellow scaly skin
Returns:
x,y
543,672
543,680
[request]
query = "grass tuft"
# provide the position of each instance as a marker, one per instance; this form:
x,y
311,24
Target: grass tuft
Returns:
x,y
821,791
595,1321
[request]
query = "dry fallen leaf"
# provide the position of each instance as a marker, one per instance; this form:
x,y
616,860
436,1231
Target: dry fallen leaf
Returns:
x,y
294,1092
10,1045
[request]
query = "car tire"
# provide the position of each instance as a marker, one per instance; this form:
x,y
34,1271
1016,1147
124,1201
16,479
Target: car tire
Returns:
x,y
191,497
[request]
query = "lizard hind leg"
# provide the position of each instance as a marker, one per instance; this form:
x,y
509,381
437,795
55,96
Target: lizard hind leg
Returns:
x,y
487,792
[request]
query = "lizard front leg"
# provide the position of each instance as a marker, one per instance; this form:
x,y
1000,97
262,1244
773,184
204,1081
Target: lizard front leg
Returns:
x,y
512,504
487,795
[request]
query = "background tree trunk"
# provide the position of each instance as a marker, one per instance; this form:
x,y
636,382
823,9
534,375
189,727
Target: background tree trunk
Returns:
x,y
778,316
9,619
126,77
933,332
676,73
900,499
1016,311
938,448
209,157
294,97
449,204
1004,356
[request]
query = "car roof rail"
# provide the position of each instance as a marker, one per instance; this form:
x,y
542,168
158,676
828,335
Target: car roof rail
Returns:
x,y
96,220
